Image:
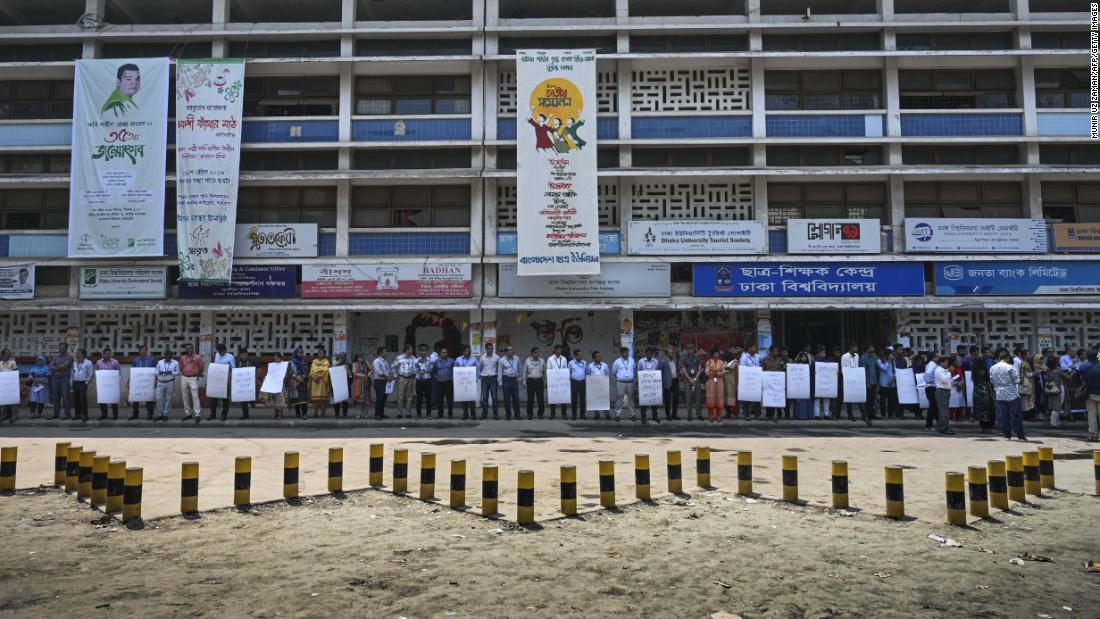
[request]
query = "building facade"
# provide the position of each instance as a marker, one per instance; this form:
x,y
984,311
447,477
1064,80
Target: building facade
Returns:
x,y
390,127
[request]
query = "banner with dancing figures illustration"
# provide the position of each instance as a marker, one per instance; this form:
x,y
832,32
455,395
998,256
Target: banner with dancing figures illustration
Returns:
x,y
119,139
209,99
556,208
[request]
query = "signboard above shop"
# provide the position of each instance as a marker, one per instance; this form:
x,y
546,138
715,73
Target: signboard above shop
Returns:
x,y
808,279
347,281
1064,277
616,279
123,282
1077,237
834,236
276,241
249,282
975,236
694,238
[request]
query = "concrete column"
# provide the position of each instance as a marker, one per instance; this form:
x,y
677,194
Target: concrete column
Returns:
x,y
896,198
478,225
347,103
758,106
760,203
489,213
99,9
893,98
626,200
492,12
491,82
622,12
763,329
341,333
1033,197
343,216
478,14
206,329
625,83
752,10
1026,96
477,113
219,47
886,9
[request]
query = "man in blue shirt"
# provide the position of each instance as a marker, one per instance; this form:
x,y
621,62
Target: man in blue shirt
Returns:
x,y
887,390
1089,373
143,360
868,361
443,373
578,371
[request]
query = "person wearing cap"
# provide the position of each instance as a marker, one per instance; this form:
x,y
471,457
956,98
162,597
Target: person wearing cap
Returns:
x,y
167,371
222,357
107,362
191,370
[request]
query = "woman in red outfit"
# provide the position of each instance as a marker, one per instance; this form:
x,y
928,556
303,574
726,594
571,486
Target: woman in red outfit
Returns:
x,y
958,377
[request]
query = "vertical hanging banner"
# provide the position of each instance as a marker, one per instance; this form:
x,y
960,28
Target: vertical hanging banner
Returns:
x,y
120,133
556,207
209,99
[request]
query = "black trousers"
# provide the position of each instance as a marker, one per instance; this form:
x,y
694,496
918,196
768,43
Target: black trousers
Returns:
x,y
103,410
214,407
424,395
534,392
578,396
80,398
444,392
888,401
672,399
148,408
933,407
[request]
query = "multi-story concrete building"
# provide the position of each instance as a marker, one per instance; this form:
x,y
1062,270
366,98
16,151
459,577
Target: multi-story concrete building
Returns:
x,y
391,125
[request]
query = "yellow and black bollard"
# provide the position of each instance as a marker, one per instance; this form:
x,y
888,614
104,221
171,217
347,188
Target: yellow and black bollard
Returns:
x,y
702,467
675,472
1032,483
956,499
895,492
641,476
489,490
569,490
790,478
427,477
840,484
189,488
377,455
1046,467
336,469
8,457
1014,473
998,484
60,457
99,480
400,470
84,471
1096,471
131,495
72,468
458,484
525,498
744,473
242,481
116,485
290,475
607,484
979,491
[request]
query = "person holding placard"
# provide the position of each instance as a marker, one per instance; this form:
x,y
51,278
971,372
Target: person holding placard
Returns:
x,y
850,359
623,369
578,373
143,360
167,371
8,364
691,370
596,368
803,407
488,366
107,361
649,363
221,357
750,359
466,360
534,374
320,385
83,372
773,363
192,367
509,371
243,360
39,382
277,400
443,375
930,389
821,404
383,376
945,384
715,372
557,361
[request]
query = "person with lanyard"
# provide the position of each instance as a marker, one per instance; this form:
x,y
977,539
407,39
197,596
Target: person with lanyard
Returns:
x,y
887,392
143,360
242,360
930,390
578,372
405,384
1005,380
670,385
423,368
107,362
222,357
443,375
488,366
167,371
557,361
751,359
945,383
383,376
340,409
869,362
61,370
320,384
38,379
851,359
691,371
623,370
649,363
715,372
8,364
83,372
466,360
534,376
508,371
191,370
298,386
596,368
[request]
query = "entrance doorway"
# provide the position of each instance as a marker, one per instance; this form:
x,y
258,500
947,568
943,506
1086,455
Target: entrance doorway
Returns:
x,y
833,329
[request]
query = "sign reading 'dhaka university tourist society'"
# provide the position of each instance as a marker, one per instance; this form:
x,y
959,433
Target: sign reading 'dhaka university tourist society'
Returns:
x,y
123,282
1065,277
556,208
344,281
120,134
682,238
808,279
1077,237
17,282
981,236
276,241
616,279
248,282
833,236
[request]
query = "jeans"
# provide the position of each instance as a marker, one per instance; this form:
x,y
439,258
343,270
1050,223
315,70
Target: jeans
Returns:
x,y
192,405
624,396
672,399
1010,416
165,391
424,395
943,402
405,390
578,396
80,398
510,388
489,390
59,394
445,392
379,398
535,392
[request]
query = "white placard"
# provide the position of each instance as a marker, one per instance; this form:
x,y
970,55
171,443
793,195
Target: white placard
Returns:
x,y
798,381
775,389
907,386
465,384
558,224
244,385
9,388
683,237
143,385
338,376
217,380
922,396
557,386
649,388
826,376
750,386
970,387
974,235
17,281
107,387
616,279
597,394
276,241
276,375
834,236
855,385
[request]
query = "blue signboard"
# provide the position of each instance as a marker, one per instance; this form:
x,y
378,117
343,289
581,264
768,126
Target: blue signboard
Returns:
x,y
808,279
610,243
1065,277
249,282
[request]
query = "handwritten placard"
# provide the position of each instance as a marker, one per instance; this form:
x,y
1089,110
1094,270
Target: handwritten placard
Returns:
x,y
9,388
143,385
826,376
798,381
557,386
276,374
775,389
244,385
217,380
597,393
338,376
649,388
465,384
107,387
855,386
750,386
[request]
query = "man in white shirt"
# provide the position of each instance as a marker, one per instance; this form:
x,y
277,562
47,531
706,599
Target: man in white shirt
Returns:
x,y
222,357
930,388
383,374
557,361
578,372
509,373
622,371
489,368
534,381
597,368
850,359
405,386
750,359
83,372
167,371
944,383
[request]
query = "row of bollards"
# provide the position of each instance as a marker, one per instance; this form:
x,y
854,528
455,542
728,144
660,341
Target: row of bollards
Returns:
x,y
104,483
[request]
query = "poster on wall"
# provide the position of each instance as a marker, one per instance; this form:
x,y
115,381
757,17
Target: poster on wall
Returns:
x,y
557,216
974,235
17,282
119,140
682,237
209,100
807,279
343,281
834,236
1076,237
